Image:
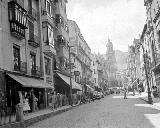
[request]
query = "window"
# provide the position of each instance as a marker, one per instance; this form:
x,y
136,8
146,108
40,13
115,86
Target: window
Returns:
x,y
49,7
33,63
48,37
94,71
47,62
16,57
30,5
31,31
95,80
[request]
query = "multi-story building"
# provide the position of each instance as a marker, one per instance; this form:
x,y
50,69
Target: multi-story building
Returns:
x,y
150,40
99,74
95,70
147,51
48,38
133,66
22,58
81,52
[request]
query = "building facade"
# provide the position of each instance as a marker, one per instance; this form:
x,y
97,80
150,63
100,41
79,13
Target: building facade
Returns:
x,y
81,53
133,64
150,40
110,63
23,65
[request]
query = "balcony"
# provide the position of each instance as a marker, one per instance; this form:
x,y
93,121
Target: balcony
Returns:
x,y
63,51
20,67
156,15
34,41
146,2
155,66
35,71
49,50
63,70
32,13
46,17
18,19
99,68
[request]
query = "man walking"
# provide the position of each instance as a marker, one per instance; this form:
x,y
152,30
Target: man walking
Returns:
x,y
125,93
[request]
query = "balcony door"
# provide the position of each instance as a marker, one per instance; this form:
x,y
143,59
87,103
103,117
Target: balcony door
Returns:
x,y
30,6
33,63
16,58
31,31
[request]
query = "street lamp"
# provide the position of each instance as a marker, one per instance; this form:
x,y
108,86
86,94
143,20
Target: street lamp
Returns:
x,y
150,101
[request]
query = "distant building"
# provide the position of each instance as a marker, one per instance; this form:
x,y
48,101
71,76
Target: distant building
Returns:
x,y
110,63
81,54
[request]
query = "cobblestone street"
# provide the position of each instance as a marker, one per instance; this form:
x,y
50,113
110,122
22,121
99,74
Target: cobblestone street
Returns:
x,y
110,112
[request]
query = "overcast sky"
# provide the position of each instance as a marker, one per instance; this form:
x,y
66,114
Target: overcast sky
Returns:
x,y
121,20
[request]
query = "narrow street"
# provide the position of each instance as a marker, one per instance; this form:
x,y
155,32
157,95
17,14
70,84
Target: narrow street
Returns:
x,y
110,112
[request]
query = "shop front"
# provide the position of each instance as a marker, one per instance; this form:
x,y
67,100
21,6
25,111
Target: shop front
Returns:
x,y
18,88
62,85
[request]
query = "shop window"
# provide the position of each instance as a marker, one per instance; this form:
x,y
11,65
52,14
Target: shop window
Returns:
x,y
16,57
47,62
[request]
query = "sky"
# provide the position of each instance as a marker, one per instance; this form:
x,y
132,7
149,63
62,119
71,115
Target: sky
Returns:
x,y
120,20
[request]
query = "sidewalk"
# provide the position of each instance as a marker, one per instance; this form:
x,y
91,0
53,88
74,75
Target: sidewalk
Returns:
x,y
32,118
156,101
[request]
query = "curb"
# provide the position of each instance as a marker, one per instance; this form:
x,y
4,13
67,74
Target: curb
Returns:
x,y
36,119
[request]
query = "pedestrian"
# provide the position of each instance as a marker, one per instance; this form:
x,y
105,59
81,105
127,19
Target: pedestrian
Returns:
x,y
35,101
54,99
61,98
58,99
125,93
26,107
140,91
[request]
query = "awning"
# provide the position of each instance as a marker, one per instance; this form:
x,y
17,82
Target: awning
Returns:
x,y
30,82
90,87
67,80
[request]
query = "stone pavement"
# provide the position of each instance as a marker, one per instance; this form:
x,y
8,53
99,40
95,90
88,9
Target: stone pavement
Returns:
x,y
34,117
113,111
156,101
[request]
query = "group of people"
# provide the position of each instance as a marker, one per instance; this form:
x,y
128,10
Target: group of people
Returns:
x,y
58,100
29,102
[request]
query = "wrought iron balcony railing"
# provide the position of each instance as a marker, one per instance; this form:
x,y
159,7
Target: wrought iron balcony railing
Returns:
x,y
35,71
20,66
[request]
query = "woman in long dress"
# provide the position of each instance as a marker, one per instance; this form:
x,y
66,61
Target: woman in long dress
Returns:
x,y
26,106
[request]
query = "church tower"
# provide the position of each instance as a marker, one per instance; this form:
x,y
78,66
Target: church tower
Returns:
x,y
110,61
